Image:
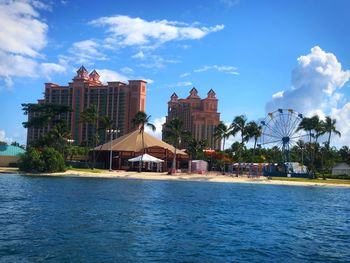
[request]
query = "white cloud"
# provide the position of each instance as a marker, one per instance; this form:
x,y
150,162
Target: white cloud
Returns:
x,y
3,137
156,62
180,84
139,55
225,69
129,31
149,81
316,85
41,5
52,68
22,32
342,116
158,122
186,74
278,94
314,81
127,70
86,51
22,37
110,75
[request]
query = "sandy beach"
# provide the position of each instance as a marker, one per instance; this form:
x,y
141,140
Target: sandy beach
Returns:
x,y
209,177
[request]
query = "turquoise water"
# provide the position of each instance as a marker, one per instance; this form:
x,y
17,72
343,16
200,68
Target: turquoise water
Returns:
x,y
112,220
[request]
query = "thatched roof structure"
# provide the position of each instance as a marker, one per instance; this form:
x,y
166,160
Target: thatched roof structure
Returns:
x,y
132,142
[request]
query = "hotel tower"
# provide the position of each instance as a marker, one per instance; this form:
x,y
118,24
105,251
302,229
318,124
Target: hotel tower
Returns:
x,y
199,116
117,100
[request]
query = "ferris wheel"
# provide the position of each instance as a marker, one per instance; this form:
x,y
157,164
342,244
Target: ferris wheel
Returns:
x,y
280,128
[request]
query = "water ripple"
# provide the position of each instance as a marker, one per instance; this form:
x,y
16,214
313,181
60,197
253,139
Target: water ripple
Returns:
x,y
76,219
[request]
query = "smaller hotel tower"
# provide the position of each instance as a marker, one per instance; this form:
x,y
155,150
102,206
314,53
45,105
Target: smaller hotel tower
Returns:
x,y
199,116
117,100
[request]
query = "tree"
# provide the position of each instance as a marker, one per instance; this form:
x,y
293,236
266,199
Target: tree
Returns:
x,y
329,127
3,143
239,125
254,131
313,126
44,160
174,133
46,114
222,132
196,147
300,146
14,143
141,120
344,154
90,117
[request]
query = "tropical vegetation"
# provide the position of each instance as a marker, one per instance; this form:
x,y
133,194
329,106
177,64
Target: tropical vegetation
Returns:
x,y
142,120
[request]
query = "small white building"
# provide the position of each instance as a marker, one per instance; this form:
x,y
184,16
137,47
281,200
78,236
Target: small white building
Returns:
x,y
341,169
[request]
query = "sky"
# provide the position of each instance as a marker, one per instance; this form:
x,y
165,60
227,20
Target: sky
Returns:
x,y
257,55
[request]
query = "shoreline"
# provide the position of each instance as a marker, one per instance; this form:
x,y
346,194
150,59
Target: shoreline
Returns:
x,y
210,177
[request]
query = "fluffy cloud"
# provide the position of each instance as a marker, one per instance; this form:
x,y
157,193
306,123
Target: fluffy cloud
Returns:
x,y
110,75
316,84
149,81
156,62
139,55
21,41
225,69
129,31
158,122
86,51
24,33
342,116
186,74
3,137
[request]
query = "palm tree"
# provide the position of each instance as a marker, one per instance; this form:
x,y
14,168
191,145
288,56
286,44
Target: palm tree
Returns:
x,y
174,132
239,125
300,145
254,131
141,120
329,127
222,132
196,147
90,117
306,125
318,127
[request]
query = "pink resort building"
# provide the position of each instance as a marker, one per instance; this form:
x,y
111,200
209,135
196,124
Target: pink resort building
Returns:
x,y
199,116
117,100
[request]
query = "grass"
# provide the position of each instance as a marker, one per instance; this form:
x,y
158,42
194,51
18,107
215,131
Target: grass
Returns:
x,y
86,170
327,181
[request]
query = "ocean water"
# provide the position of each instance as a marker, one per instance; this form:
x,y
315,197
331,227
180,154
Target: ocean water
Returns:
x,y
45,219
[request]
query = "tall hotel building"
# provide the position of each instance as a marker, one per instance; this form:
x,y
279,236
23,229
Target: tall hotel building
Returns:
x,y
199,116
117,100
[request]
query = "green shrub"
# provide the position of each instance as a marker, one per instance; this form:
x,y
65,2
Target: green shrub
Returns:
x,y
53,160
36,161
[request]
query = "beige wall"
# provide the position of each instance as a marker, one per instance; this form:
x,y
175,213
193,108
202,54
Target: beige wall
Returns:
x,y
5,160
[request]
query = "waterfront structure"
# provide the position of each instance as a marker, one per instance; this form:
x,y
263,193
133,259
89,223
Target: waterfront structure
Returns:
x,y
341,169
117,100
10,154
132,145
199,116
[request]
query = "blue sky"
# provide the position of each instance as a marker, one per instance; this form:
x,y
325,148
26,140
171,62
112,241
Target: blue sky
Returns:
x,y
256,55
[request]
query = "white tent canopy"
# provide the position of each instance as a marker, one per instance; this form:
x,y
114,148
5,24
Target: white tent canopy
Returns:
x,y
146,158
